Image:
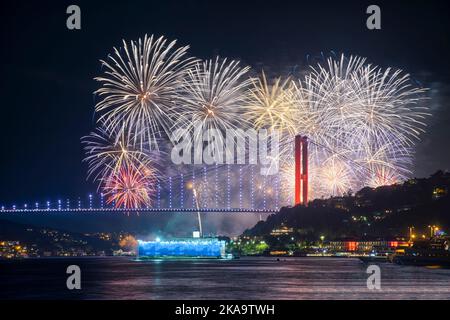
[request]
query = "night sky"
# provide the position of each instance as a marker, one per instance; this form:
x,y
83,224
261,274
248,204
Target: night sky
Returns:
x,y
47,70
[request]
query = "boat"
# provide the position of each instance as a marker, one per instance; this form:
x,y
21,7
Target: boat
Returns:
x,y
434,252
378,254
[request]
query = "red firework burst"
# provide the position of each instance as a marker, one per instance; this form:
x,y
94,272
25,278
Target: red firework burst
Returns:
x,y
130,187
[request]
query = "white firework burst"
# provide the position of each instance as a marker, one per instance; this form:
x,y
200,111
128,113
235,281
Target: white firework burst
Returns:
x,y
212,100
107,152
140,86
365,118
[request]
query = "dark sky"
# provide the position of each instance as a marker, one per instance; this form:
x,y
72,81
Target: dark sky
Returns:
x,y
47,71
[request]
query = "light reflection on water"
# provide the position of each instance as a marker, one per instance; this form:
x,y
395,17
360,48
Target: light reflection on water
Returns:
x,y
245,278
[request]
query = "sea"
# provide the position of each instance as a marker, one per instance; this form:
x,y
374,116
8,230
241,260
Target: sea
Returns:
x,y
257,278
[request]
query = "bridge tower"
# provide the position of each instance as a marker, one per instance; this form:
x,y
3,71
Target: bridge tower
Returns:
x,y
301,170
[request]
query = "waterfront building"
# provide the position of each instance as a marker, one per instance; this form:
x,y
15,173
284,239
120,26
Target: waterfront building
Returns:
x,y
365,245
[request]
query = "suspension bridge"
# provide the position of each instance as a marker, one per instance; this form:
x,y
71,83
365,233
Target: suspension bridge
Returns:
x,y
209,189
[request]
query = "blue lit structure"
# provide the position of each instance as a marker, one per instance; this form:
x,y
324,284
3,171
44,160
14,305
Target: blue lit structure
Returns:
x,y
179,248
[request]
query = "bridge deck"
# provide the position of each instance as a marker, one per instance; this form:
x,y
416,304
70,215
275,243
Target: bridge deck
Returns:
x,y
143,210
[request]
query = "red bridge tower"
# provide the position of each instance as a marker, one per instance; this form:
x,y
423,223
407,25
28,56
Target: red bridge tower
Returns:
x,y
301,170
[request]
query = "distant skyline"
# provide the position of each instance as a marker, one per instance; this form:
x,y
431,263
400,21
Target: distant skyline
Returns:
x,y
47,71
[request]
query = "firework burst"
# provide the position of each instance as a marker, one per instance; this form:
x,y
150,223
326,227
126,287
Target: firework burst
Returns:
x,y
107,152
269,105
140,86
212,98
130,187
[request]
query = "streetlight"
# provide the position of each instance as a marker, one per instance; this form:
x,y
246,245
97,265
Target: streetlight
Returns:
x,y
411,234
322,238
433,230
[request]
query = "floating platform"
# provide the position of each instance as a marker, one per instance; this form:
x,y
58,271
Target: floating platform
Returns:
x,y
206,248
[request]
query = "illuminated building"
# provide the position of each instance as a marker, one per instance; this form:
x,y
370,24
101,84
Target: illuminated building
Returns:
x,y
364,246
189,247
439,193
12,249
283,230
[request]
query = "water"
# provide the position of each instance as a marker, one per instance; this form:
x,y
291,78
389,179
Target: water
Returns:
x,y
245,278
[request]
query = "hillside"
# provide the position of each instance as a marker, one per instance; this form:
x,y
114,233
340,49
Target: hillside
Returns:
x,y
386,211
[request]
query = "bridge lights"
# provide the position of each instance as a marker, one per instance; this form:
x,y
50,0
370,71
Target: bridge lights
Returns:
x,y
228,186
181,190
36,205
193,187
264,192
90,201
59,205
159,195
277,192
102,200
48,205
240,187
67,204
205,183
14,207
170,192
252,188
216,185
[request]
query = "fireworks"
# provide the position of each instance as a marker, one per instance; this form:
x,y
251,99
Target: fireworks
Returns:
x,y
362,121
139,87
335,178
126,174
